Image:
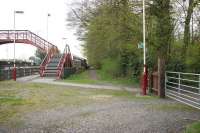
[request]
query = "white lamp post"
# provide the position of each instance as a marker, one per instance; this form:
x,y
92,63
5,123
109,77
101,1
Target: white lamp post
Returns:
x,y
48,15
144,89
144,32
14,70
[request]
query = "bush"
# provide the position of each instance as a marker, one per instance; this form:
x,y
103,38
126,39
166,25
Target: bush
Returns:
x,y
111,67
193,58
176,62
193,128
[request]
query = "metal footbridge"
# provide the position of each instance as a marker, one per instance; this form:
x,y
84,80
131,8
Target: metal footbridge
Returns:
x,y
53,63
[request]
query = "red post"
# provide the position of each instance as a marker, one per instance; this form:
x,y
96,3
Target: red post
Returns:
x,y
144,81
14,73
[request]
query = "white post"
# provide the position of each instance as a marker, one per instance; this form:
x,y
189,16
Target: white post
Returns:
x,y
144,33
24,72
47,28
48,15
145,77
19,12
14,37
179,83
8,74
7,52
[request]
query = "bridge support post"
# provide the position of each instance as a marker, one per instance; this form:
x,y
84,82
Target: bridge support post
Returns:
x,y
14,73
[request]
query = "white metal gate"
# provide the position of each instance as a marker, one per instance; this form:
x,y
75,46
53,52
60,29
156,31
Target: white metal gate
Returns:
x,y
183,87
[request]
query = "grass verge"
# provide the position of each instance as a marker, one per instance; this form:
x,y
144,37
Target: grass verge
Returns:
x,y
103,78
82,78
193,128
117,81
173,107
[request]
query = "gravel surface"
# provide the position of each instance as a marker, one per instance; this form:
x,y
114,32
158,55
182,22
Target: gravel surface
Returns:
x,y
105,115
114,116
93,74
83,86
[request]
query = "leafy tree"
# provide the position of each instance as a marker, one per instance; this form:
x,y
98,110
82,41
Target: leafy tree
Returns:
x,y
111,30
164,30
40,54
190,10
193,58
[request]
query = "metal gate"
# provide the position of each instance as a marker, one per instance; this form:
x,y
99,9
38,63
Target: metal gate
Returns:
x,y
183,87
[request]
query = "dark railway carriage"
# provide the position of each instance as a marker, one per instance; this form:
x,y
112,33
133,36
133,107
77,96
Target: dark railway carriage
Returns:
x,y
79,63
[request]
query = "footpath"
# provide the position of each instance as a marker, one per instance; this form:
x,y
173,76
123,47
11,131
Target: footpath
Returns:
x,y
53,81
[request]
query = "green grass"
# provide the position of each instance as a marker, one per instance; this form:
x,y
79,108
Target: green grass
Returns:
x,y
173,107
11,100
103,79
193,128
82,77
117,81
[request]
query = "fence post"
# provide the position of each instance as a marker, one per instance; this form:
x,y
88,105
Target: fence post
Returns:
x,y
179,82
8,74
24,72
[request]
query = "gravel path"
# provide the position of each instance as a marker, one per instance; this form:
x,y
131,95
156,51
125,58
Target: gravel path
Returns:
x,y
115,116
93,74
53,81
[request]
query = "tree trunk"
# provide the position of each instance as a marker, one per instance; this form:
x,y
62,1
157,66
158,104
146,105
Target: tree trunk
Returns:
x,y
187,24
161,77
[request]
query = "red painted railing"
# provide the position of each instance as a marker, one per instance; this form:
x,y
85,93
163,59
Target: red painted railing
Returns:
x,y
65,60
46,60
27,37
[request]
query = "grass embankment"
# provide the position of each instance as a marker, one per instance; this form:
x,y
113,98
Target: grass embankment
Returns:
x,y
103,78
83,78
193,128
173,107
17,98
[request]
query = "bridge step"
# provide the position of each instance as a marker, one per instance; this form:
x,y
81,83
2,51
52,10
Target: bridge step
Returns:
x,y
50,71
50,75
51,68
52,64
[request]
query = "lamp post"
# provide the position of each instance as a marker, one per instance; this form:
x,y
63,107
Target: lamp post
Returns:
x,y
14,69
144,87
64,38
48,15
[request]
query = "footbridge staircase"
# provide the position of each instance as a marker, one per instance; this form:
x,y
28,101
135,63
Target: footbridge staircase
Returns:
x,y
53,64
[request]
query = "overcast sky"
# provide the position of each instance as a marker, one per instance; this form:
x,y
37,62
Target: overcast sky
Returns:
x,y
35,19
